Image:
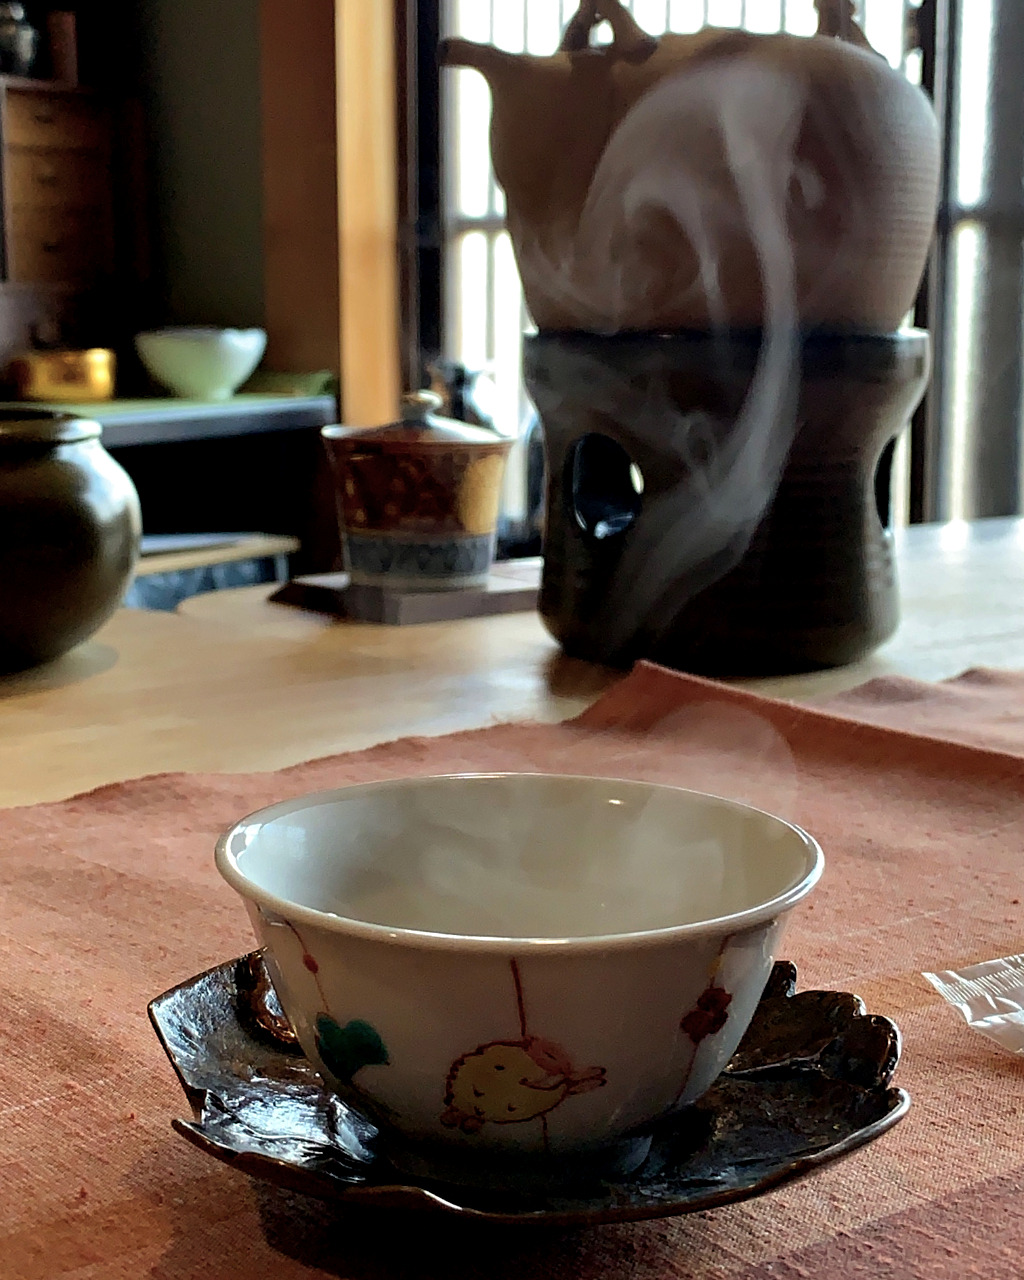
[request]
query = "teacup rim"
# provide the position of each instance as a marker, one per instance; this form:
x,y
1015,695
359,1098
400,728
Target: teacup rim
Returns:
x,y
417,939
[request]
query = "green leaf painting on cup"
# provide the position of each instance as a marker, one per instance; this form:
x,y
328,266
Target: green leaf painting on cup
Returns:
x,y
345,1050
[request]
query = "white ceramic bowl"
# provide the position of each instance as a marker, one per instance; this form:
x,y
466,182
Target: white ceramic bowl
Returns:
x,y
200,363
518,965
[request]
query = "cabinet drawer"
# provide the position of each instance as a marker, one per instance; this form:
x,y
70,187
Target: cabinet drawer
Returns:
x,y
50,246
67,121
47,178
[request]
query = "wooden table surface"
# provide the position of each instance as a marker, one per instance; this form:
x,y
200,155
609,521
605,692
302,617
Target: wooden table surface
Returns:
x,y
235,683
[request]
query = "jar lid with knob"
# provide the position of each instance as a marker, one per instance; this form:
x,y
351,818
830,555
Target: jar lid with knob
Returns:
x,y
419,427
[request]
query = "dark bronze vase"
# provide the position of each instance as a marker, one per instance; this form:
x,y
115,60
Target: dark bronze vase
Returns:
x,y
19,40
630,419
69,535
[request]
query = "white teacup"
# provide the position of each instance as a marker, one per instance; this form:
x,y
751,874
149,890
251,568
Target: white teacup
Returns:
x,y
518,965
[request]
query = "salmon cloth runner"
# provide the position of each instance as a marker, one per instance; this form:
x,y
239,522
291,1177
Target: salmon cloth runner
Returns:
x,y
916,793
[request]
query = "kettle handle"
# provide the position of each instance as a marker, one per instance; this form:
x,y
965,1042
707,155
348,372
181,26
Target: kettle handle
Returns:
x,y
630,41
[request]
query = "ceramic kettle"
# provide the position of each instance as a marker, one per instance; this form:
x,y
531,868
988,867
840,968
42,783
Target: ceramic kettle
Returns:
x,y
627,168
418,499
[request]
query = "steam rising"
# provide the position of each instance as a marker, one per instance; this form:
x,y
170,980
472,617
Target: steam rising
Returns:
x,y
537,857
748,118
717,182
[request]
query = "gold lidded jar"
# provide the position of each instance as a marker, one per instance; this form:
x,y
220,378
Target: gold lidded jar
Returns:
x,y
65,377
418,499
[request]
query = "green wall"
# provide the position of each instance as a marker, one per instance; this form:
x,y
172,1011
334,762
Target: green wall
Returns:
x,y
198,71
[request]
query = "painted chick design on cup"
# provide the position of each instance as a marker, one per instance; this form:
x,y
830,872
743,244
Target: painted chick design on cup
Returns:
x,y
511,1081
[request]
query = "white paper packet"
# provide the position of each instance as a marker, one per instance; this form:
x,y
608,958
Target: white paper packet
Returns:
x,y
990,996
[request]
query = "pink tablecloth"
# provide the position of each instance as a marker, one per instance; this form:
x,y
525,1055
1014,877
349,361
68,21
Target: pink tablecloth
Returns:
x,y
917,794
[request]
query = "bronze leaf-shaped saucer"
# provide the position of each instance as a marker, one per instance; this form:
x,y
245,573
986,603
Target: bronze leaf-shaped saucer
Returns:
x,y
811,1082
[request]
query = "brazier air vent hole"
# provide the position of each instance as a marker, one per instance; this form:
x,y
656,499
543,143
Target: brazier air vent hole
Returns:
x,y
883,485
605,486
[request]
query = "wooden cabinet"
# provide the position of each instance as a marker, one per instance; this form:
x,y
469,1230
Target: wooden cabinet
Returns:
x,y
56,149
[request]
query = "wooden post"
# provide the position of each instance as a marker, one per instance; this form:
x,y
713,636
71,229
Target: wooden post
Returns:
x,y
330,205
368,197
